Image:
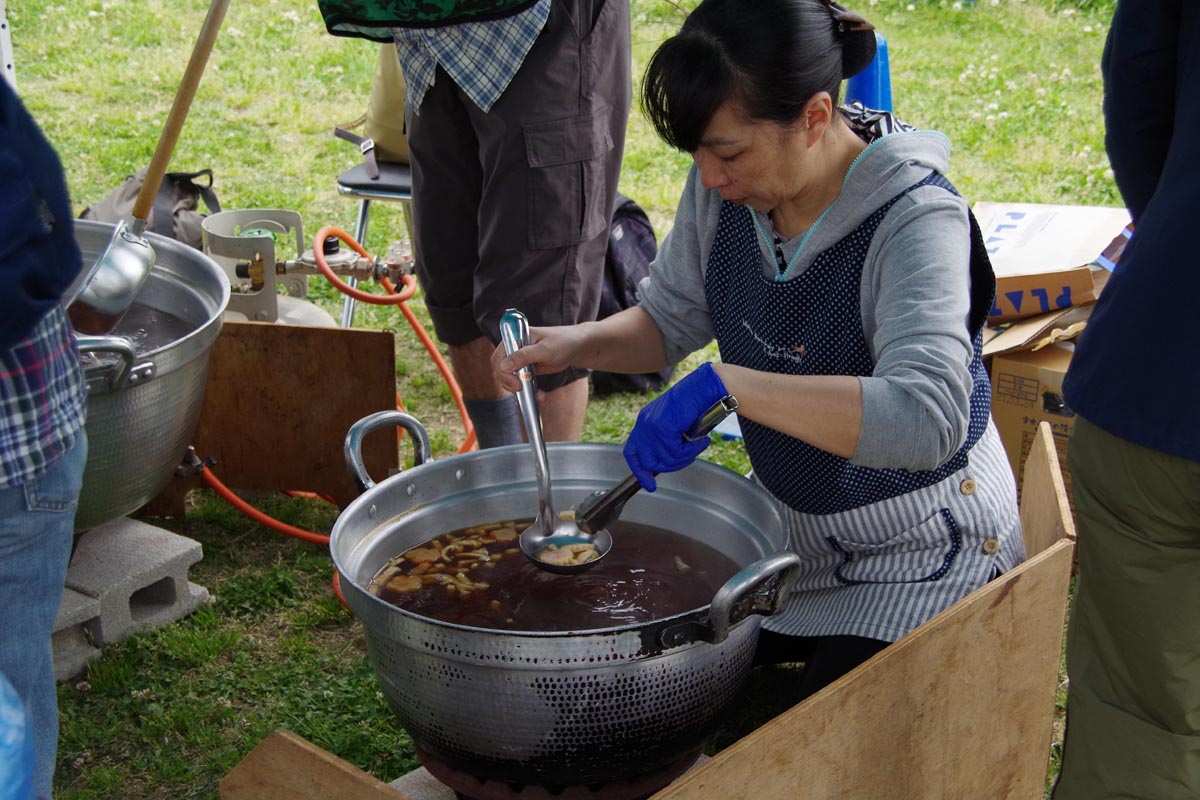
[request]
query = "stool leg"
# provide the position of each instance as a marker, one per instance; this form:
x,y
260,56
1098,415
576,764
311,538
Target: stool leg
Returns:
x,y
407,204
360,235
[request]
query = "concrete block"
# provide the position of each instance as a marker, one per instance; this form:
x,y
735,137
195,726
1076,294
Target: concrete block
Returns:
x,y
138,574
72,648
420,785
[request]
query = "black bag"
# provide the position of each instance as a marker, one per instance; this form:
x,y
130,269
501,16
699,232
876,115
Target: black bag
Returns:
x,y
631,247
174,213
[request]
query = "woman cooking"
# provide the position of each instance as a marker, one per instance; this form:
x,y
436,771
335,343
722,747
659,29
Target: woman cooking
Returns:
x,y
839,273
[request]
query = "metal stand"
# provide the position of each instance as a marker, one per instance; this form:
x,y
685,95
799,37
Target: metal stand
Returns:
x,y
393,184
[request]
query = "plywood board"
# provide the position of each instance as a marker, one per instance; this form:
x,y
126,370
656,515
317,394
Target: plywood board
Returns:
x,y
961,707
286,767
279,400
1045,507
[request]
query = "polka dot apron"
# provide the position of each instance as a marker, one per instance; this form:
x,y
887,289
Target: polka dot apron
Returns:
x,y
883,549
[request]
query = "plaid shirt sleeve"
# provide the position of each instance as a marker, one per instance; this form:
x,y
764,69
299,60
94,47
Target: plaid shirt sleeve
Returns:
x,y
42,399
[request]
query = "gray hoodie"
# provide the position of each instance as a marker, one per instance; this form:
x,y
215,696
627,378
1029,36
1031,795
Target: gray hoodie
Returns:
x,y
915,294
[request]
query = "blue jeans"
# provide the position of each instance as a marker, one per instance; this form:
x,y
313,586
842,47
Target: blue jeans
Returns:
x,y
37,527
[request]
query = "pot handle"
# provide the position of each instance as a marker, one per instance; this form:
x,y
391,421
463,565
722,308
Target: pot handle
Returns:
x,y
382,419
760,588
125,371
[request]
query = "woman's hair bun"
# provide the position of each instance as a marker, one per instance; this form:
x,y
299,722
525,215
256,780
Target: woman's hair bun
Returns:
x,y
857,37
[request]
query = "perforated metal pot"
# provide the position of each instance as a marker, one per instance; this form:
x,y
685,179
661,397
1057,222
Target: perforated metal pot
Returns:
x,y
558,709
142,408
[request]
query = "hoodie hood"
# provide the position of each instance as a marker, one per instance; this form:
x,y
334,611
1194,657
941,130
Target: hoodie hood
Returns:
x,y
891,163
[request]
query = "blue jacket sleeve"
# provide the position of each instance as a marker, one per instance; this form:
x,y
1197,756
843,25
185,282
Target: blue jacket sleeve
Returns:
x,y
1139,66
38,254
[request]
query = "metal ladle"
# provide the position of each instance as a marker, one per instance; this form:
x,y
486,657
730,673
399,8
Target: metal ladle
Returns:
x,y
98,299
548,530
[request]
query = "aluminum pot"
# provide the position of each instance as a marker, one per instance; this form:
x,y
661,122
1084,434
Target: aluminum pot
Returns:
x,y
558,708
143,407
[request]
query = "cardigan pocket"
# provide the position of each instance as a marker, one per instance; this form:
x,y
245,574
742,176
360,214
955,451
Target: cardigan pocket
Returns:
x,y
922,553
567,198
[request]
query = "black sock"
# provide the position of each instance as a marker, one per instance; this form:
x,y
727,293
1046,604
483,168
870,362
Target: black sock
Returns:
x,y
497,422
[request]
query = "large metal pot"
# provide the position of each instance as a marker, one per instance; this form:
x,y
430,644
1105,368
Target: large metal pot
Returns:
x,y
142,408
567,708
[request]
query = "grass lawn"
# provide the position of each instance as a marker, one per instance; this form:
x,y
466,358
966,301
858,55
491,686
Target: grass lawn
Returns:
x,y
1015,84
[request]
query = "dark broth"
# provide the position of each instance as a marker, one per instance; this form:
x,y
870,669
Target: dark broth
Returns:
x,y
649,574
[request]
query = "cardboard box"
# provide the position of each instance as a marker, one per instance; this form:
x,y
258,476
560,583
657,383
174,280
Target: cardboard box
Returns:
x,y
1042,254
1029,361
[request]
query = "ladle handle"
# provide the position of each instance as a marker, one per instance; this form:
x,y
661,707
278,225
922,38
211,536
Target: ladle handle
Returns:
x,y
179,109
514,333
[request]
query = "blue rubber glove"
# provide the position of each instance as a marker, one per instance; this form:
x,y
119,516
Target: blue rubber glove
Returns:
x,y
656,443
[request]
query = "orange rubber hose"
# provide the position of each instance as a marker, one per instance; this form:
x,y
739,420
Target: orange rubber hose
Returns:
x,y
337,590
253,513
400,299
390,299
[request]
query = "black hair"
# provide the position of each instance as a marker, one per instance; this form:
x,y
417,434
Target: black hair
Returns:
x,y
771,56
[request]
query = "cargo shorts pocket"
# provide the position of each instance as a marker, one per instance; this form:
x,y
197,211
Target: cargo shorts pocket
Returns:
x,y
568,159
922,553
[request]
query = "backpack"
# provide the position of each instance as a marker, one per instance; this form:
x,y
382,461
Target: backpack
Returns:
x,y
174,213
631,248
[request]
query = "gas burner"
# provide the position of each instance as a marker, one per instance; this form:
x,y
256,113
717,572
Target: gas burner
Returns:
x,y
472,787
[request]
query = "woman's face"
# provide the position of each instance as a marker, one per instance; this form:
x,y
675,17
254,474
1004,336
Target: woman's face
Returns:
x,y
752,162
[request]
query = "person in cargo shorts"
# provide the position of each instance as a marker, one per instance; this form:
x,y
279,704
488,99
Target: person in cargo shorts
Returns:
x,y
846,286
515,115
1133,645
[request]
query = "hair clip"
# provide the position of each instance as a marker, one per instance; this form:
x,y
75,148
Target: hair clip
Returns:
x,y
847,21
